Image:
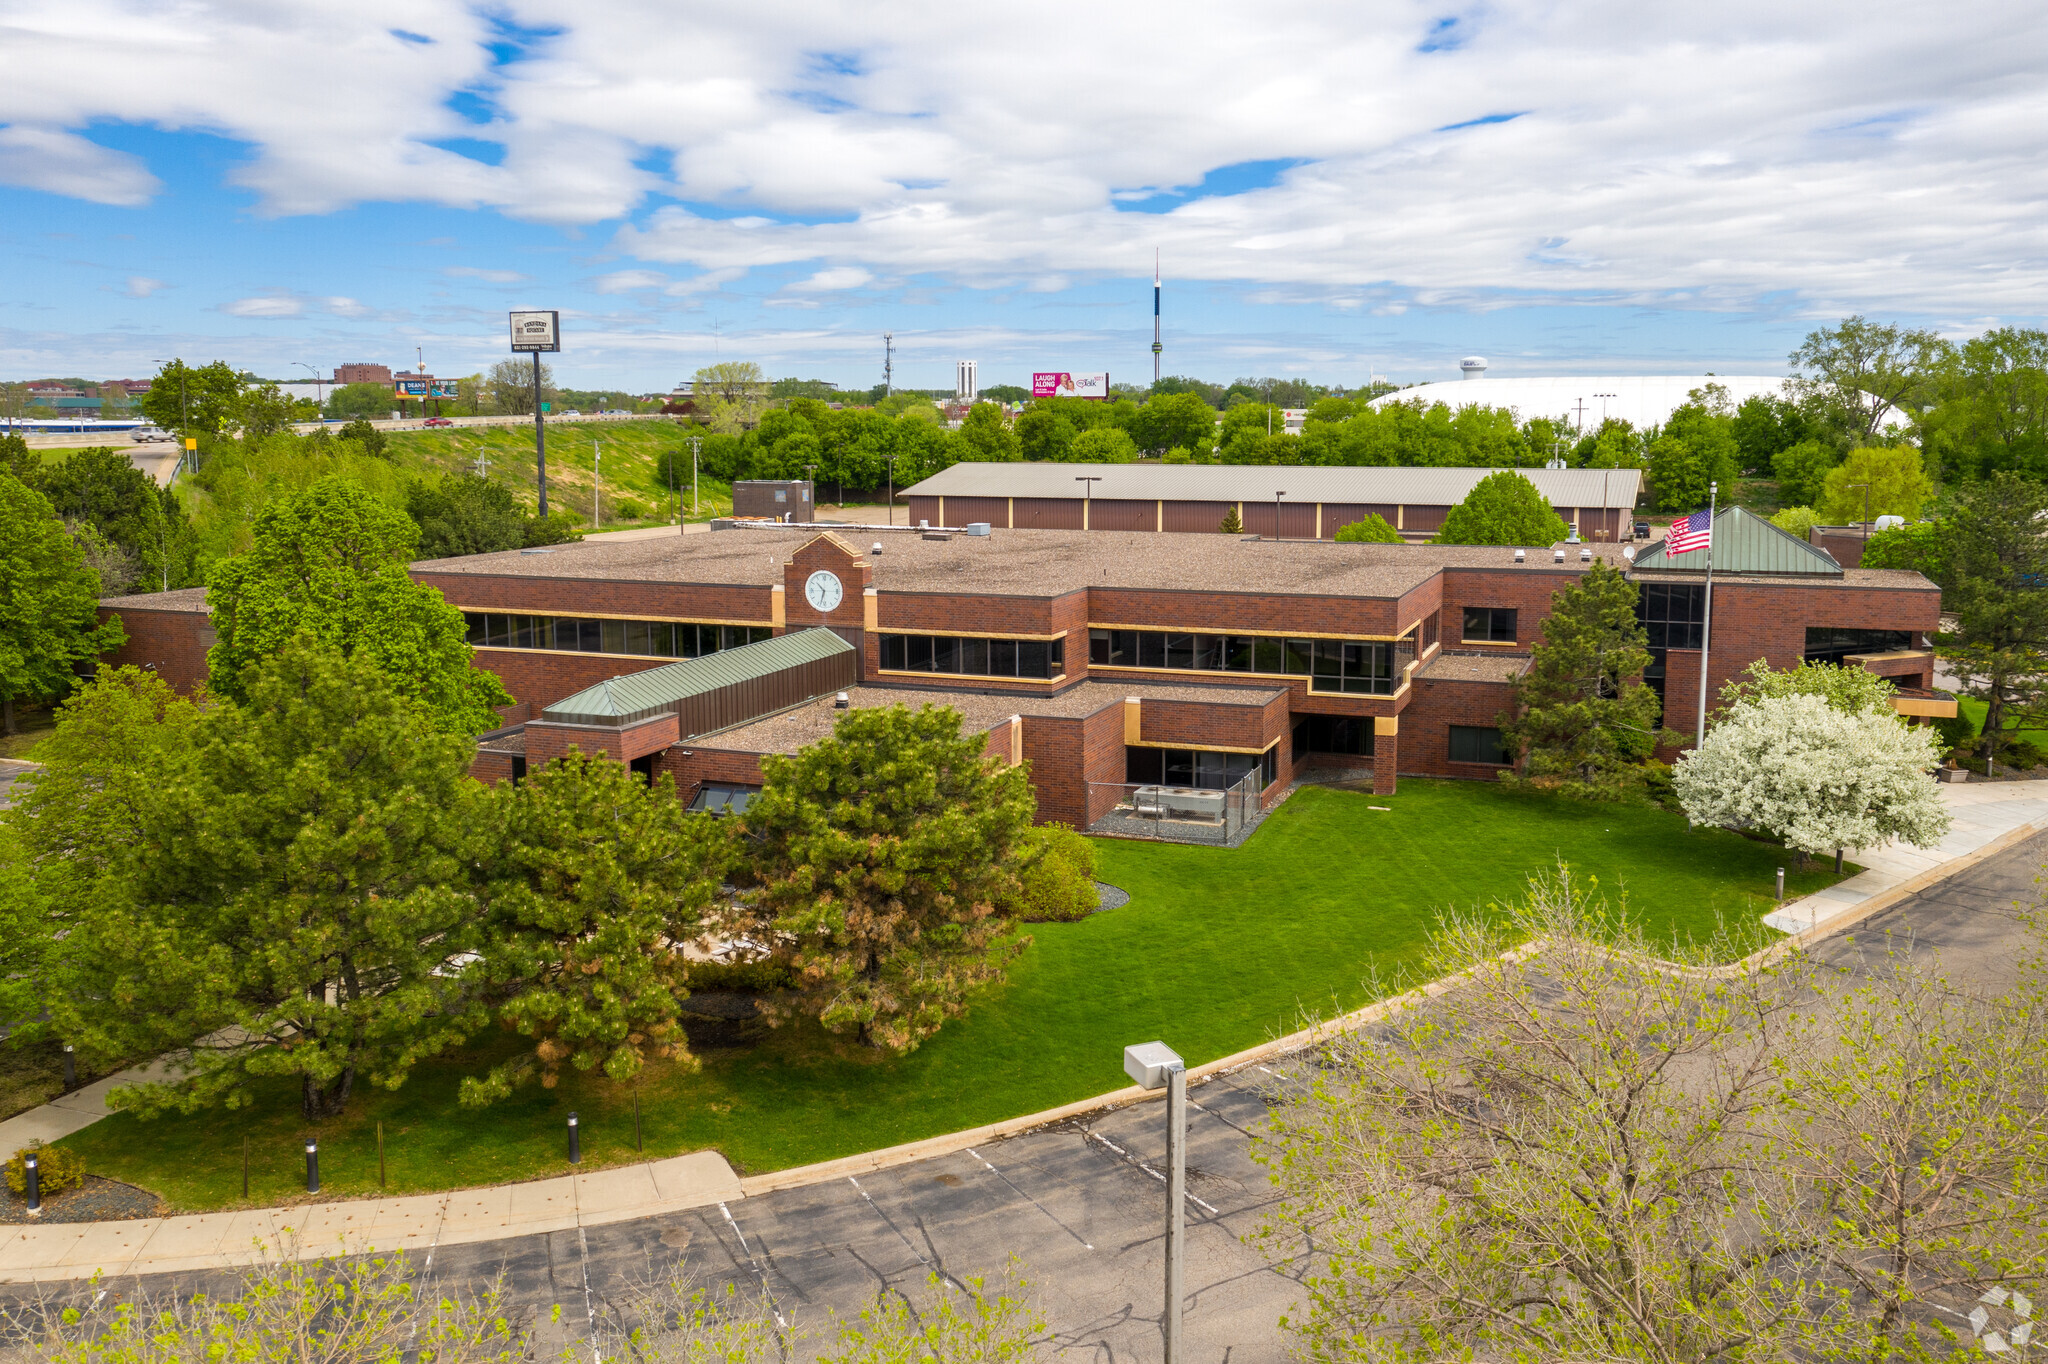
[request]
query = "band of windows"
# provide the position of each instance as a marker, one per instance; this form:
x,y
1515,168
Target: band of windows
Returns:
x,y
1199,769
959,656
1367,667
642,638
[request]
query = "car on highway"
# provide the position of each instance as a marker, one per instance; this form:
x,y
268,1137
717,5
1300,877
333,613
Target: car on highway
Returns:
x,y
438,421
572,412
143,434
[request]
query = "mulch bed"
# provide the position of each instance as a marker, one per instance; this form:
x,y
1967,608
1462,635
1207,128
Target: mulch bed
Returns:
x,y
96,1200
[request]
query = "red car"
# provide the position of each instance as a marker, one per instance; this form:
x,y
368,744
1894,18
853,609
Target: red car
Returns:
x,y
438,421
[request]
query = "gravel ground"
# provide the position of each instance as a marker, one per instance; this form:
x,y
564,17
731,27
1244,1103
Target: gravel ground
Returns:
x,y
96,1200
1112,898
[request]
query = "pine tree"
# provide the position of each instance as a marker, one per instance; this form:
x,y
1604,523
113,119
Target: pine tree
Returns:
x,y
883,855
1233,524
598,880
1503,509
49,602
1582,714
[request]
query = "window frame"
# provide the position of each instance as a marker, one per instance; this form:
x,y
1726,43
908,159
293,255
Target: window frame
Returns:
x,y
1501,625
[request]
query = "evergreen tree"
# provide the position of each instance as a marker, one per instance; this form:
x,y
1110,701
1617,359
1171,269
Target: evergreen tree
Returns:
x,y
1232,523
332,561
598,881
49,602
1582,712
883,855
1503,509
1998,589
299,900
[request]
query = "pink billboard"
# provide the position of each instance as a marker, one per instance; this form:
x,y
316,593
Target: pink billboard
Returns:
x,y
1064,385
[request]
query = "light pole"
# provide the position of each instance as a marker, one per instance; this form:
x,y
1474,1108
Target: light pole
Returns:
x,y
1087,482
891,508
319,389
1277,495
696,444
596,488
1269,407
1603,397
811,488
1152,1065
1866,509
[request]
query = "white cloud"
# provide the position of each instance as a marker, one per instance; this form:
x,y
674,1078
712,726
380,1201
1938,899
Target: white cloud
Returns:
x,y
63,163
345,307
487,276
142,286
836,278
1822,157
268,306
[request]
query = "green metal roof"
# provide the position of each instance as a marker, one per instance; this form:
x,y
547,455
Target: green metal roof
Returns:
x,y
635,696
1745,543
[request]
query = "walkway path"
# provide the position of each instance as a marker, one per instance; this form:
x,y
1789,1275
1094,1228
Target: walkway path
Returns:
x,y
1982,811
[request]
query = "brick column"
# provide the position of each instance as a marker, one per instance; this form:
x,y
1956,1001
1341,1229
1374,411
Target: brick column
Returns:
x,y
1386,753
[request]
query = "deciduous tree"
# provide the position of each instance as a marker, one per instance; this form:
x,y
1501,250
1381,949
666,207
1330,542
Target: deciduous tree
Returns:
x,y
1889,476
597,881
1821,779
1371,530
205,399
49,602
1867,369
1853,691
331,561
1503,509
884,856
986,436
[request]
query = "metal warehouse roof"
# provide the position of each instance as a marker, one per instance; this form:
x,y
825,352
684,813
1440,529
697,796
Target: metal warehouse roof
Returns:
x,y
1409,486
1744,543
623,700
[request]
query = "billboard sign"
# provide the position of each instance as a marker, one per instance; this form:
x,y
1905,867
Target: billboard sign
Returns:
x,y
1065,385
536,331
424,388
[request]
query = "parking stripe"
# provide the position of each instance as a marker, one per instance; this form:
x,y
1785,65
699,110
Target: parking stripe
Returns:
x,y
1029,1199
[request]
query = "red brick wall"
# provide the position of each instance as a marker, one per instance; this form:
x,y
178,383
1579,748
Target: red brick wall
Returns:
x,y
941,614
1267,614
489,765
691,767
1196,724
1526,591
172,644
828,553
541,677
1425,739
588,597
546,740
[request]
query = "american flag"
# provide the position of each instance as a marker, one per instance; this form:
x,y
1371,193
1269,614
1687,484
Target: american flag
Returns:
x,y
1690,533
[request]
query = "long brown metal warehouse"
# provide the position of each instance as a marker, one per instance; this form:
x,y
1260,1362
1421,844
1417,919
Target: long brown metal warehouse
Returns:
x,y
1291,502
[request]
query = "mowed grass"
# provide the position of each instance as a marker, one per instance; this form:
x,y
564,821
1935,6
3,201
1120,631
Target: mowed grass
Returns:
x,y
1219,949
626,453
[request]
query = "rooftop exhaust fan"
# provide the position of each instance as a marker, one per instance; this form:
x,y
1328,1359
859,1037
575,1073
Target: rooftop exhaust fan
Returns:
x,y
1557,556
877,549
1585,556
839,702
1518,556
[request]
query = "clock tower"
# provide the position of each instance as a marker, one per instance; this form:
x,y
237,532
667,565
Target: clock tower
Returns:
x,y
826,583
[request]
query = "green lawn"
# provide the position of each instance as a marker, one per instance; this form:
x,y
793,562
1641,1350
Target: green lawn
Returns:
x,y
630,451
1218,950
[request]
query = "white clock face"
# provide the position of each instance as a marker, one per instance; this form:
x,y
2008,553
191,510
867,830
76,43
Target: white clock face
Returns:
x,y
823,591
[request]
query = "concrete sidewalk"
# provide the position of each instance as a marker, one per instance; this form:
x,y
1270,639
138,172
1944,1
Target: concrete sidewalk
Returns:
x,y
227,1240
1982,812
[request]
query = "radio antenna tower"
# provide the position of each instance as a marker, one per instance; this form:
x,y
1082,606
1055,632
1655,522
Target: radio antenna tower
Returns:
x,y
1156,347
888,364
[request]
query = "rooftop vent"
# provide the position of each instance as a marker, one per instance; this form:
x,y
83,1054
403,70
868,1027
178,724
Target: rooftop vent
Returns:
x,y
877,549
937,535
840,702
923,524
1628,552
977,527
1557,555
1585,555
1518,556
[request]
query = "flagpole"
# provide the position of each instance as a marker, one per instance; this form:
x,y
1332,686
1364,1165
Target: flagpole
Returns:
x,y
1707,619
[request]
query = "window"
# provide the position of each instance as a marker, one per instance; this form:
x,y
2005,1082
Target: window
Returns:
x,y
1489,625
1832,646
958,656
1476,744
1672,613
1346,734
1426,636
1198,768
630,638
721,798
1371,667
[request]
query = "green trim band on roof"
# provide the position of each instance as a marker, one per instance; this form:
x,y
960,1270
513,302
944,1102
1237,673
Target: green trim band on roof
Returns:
x,y
621,701
1745,543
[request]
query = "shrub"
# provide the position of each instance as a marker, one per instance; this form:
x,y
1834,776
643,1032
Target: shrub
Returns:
x,y
1956,731
1058,885
1373,530
1658,784
628,510
1796,521
372,441
58,1168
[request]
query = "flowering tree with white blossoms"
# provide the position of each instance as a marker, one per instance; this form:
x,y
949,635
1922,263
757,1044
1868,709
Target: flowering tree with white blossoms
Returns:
x,y
1820,778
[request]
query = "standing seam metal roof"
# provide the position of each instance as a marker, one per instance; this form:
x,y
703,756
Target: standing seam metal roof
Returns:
x,y
623,700
1745,543
1404,486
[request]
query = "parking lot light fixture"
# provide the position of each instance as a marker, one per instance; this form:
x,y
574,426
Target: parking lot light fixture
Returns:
x,y
1154,1065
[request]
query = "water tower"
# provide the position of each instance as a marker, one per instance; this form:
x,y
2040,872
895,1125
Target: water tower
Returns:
x,y
1473,366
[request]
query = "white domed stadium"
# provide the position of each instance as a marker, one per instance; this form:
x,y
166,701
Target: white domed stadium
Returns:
x,y
1583,400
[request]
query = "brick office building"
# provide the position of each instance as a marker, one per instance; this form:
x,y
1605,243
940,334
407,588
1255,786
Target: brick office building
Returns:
x,y
1107,659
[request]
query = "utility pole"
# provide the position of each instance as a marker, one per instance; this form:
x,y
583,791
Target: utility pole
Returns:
x,y
1156,346
888,364
596,488
696,444
1603,397
1866,509
540,440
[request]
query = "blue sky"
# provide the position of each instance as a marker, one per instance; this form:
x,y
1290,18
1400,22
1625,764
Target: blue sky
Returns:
x,y
1335,195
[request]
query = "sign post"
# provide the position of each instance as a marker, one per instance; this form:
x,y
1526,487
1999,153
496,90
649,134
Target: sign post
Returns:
x,y
535,332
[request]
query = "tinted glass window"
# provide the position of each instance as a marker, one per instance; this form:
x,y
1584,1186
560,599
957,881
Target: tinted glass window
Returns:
x,y
1476,744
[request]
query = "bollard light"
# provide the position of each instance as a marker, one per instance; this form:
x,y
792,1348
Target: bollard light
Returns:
x,y
312,1166
1150,1066
35,1186
575,1142
70,1068
1781,885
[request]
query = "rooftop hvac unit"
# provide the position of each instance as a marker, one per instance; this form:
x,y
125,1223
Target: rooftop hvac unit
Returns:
x,y
1557,556
877,549
1585,556
1518,556
977,528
